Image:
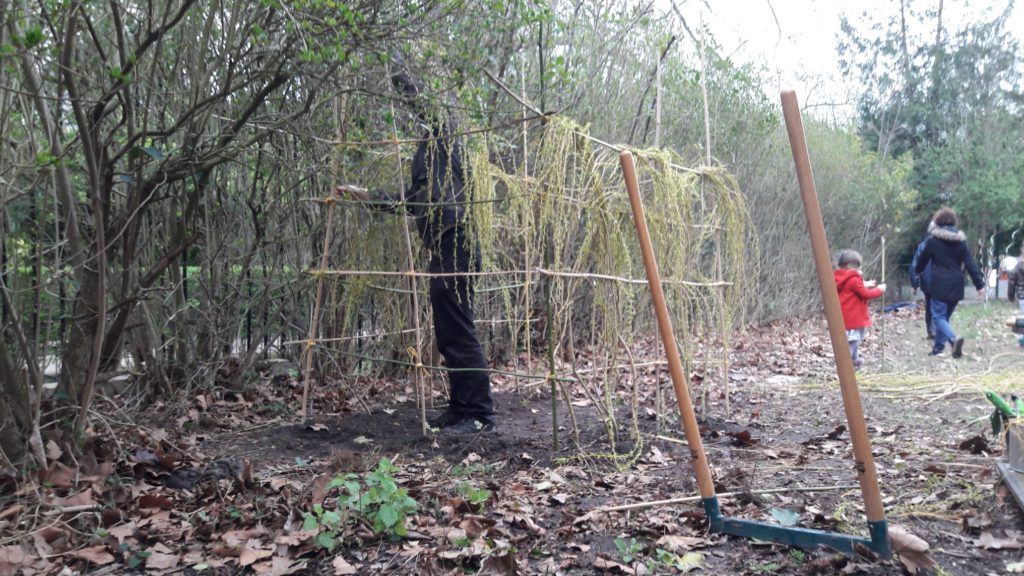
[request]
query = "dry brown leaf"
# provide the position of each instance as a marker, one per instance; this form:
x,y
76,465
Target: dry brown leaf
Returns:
x,y
42,547
912,550
11,557
252,552
679,544
123,531
161,561
605,565
57,475
992,542
294,538
53,451
342,567
235,538
276,484
155,501
499,566
96,554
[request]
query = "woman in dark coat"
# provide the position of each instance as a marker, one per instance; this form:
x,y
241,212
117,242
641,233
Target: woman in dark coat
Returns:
x,y
946,250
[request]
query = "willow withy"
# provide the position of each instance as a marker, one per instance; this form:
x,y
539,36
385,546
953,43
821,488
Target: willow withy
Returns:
x,y
560,239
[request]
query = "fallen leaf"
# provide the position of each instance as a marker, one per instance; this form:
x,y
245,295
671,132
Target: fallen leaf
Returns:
x,y
146,457
122,531
743,438
279,566
975,445
253,551
277,483
96,554
11,557
990,541
155,501
235,538
57,475
53,451
318,427
612,566
680,544
342,567
912,550
362,440
161,561
785,517
499,566
690,561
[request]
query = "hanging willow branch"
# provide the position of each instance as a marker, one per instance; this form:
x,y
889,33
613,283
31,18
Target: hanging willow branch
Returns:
x,y
567,218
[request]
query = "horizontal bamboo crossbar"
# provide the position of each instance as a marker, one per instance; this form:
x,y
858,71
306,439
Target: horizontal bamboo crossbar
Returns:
x,y
538,270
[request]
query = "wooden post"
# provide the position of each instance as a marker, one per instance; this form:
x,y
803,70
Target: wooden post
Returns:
x,y
882,340
423,392
311,339
864,463
675,365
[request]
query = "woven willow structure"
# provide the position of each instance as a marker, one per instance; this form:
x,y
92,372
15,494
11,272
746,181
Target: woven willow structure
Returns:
x,y
562,276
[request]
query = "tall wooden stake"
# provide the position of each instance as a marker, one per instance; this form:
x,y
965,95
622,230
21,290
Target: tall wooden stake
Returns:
x,y
422,391
675,365
882,339
864,463
311,339
526,256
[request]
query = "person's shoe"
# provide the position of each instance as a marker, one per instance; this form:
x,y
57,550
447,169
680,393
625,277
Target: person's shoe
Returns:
x,y
445,419
935,352
930,336
958,348
469,426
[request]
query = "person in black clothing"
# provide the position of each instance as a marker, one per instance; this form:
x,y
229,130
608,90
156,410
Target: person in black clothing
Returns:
x,y
947,253
436,200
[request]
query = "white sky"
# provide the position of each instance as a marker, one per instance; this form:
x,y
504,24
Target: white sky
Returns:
x,y
801,45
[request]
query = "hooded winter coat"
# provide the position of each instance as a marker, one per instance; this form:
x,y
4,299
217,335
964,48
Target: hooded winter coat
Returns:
x,y
853,297
946,250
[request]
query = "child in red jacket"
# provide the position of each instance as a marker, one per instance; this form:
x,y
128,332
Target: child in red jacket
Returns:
x,y
854,294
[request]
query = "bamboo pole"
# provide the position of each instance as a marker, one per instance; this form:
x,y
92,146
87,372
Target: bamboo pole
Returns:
x,y
311,341
882,340
687,416
657,99
526,233
422,394
864,463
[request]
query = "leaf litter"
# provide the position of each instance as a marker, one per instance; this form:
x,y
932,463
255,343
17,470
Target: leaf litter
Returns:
x,y
221,485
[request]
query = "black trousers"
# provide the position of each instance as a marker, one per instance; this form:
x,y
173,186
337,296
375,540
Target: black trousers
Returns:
x,y
451,300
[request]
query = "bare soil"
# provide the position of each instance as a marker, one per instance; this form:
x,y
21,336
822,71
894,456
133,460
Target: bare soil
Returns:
x,y
785,428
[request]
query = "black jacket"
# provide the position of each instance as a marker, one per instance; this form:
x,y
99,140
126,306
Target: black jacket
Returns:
x,y
946,250
436,196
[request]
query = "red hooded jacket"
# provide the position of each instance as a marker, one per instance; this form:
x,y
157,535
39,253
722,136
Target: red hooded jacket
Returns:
x,y
853,298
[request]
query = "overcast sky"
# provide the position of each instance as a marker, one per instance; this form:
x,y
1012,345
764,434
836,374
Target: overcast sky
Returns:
x,y
798,41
